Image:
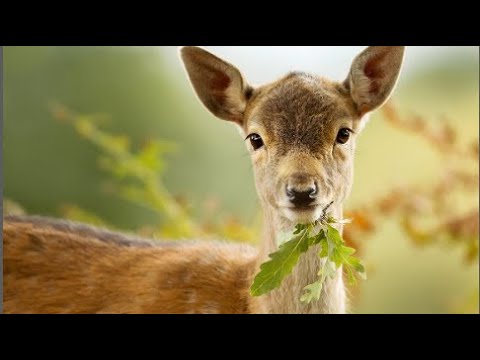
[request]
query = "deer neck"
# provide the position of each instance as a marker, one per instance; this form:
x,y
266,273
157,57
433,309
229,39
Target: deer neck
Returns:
x,y
286,299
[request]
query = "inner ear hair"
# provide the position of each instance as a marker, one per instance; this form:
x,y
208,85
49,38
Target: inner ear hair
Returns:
x,y
218,84
373,76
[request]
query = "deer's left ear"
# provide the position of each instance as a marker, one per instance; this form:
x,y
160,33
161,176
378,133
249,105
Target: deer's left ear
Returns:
x,y
373,76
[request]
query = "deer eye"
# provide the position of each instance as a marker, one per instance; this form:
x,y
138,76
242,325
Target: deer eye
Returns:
x,y
256,141
343,135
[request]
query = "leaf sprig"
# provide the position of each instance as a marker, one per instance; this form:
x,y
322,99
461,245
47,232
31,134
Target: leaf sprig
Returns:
x,y
333,251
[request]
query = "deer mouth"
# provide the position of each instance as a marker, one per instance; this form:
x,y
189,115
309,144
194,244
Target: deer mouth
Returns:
x,y
303,214
304,207
306,213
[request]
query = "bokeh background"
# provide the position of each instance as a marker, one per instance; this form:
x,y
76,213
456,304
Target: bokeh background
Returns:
x,y
415,198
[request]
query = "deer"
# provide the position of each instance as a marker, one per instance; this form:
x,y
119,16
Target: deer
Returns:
x,y
300,132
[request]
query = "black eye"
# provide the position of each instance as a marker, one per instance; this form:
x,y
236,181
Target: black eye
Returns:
x,y
256,141
343,135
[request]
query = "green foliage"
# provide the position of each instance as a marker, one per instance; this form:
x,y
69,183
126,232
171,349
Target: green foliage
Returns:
x,y
282,262
138,174
133,86
333,252
138,178
76,213
336,254
11,207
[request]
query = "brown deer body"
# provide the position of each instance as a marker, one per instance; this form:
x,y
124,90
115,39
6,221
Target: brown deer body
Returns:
x,y
301,134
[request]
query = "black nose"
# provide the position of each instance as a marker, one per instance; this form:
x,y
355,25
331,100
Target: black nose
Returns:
x,y
302,198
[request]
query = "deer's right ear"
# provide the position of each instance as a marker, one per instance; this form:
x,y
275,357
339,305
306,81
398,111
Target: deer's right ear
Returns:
x,y
218,84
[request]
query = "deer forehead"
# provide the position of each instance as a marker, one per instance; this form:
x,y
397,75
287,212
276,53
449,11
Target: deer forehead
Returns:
x,y
301,111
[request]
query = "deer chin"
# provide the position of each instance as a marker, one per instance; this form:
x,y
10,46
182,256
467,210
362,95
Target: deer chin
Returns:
x,y
303,215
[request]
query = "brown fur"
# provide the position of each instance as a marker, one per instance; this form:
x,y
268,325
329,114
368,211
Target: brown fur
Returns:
x,y
61,267
52,266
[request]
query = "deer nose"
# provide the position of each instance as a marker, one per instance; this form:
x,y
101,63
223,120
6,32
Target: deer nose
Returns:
x,y
303,197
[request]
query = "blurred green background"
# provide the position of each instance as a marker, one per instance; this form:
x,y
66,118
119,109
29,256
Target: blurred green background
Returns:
x,y
147,95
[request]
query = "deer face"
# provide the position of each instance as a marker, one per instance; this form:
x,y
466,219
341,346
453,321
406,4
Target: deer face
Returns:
x,y
301,133
301,129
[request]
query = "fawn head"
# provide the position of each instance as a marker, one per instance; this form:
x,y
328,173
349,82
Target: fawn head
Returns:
x,y
301,129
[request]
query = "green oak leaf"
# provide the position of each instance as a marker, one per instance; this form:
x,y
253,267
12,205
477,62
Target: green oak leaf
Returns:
x,y
332,249
281,262
313,291
342,255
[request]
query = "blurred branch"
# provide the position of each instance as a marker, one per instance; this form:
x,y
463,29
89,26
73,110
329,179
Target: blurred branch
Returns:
x,y
442,137
74,212
138,173
413,205
138,180
10,207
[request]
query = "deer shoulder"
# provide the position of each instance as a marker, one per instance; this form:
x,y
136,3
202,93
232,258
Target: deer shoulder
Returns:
x,y
56,266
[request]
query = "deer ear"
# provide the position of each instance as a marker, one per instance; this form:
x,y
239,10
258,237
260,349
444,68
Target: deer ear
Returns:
x,y
373,76
218,84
